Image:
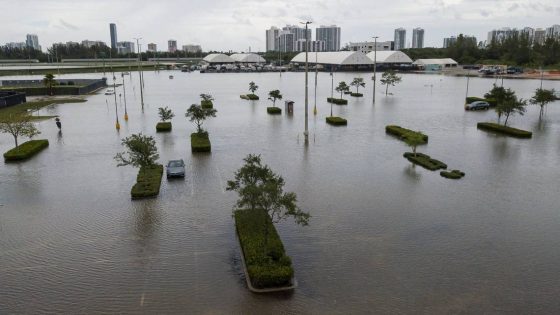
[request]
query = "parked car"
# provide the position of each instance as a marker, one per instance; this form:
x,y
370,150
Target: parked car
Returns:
x,y
175,168
109,92
476,105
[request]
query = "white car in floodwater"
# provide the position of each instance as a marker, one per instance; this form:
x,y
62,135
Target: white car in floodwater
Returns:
x,y
109,92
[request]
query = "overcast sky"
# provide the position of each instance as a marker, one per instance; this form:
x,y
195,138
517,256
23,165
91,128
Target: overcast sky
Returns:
x,y
236,25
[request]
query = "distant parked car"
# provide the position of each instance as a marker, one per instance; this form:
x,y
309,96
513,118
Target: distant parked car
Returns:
x,y
175,168
109,92
476,105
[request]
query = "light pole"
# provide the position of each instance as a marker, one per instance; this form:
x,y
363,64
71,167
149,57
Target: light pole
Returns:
x,y
374,66
316,72
139,75
306,132
541,77
124,92
117,125
332,91
468,77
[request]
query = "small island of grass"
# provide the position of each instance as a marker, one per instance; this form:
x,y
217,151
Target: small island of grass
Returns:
x,y
514,132
336,121
25,150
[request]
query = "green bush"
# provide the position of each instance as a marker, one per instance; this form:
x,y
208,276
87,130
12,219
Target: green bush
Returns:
x,y
267,263
425,161
454,174
148,182
274,110
206,104
26,150
514,132
253,97
244,97
402,133
356,94
490,101
163,126
200,142
336,121
337,101
347,92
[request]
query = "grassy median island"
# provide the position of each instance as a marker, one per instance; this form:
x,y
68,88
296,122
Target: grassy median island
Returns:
x,y
336,121
269,269
337,101
425,161
274,110
250,97
24,108
403,133
26,150
163,126
454,174
357,94
514,132
200,142
148,182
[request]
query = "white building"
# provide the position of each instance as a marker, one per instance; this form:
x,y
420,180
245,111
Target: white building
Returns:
x,y
540,36
91,43
152,47
192,49
247,58
272,38
435,64
218,58
286,41
19,45
400,38
553,31
330,35
418,38
125,47
336,59
367,47
171,45
312,45
389,57
32,41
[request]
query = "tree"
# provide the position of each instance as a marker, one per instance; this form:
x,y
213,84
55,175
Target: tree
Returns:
x,y
18,125
498,94
197,114
49,82
342,87
206,97
357,82
414,140
389,77
273,96
165,113
512,105
542,97
253,87
141,151
260,188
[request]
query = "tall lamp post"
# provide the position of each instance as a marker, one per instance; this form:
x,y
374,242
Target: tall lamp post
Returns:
x,y
468,78
374,65
306,132
117,125
316,73
139,75
332,91
124,92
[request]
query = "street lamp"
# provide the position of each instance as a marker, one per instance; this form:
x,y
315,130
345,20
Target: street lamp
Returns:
x,y
306,132
374,65
332,91
139,75
316,73
117,125
124,92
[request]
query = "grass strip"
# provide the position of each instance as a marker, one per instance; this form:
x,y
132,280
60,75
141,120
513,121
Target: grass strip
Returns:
x,y
336,121
200,142
402,133
425,161
163,126
148,182
514,132
26,150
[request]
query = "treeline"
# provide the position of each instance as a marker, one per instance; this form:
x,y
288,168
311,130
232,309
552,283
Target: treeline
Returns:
x,y
514,50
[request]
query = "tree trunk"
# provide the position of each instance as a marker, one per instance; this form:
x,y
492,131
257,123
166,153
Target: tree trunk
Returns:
x,y
414,150
542,111
386,89
265,233
505,122
15,140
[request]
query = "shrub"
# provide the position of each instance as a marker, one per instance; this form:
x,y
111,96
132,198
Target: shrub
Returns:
x,y
336,121
206,104
163,126
268,266
356,94
347,92
425,161
514,132
253,97
274,110
244,97
148,182
26,150
200,142
490,101
337,101
454,174
402,133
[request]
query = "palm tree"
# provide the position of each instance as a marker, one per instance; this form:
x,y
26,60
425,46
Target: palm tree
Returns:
x,y
49,82
273,96
357,82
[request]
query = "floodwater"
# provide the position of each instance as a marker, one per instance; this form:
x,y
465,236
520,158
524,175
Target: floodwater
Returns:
x,y
384,237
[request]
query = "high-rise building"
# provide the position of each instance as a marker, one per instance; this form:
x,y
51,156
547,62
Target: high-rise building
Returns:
x,y
91,43
286,42
125,47
32,41
193,49
272,38
418,38
299,32
540,36
553,31
367,47
152,47
312,45
330,35
18,45
449,41
113,31
171,45
400,38
529,32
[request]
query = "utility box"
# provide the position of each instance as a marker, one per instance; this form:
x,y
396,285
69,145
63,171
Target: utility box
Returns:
x,y
289,107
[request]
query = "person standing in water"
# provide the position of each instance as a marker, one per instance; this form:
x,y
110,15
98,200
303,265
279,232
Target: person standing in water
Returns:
x,y
58,123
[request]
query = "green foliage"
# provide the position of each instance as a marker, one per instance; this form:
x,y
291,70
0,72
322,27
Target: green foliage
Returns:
x,y
454,174
425,161
200,142
336,121
253,87
413,140
514,132
141,151
274,110
356,94
249,97
274,95
163,126
206,97
148,182
404,133
337,101
267,268
18,126
24,108
342,87
25,150
358,82
49,81
165,113
389,77
198,115
206,104
542,97
510,105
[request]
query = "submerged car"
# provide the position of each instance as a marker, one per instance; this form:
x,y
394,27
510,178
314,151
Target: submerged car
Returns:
x,y
175,168
476,105
109,92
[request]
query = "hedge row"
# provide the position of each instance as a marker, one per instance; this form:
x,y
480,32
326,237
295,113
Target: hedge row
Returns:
x,y
356,94
265,258
250,97
163,126
200,142
43,90
425,161
454,174
490,101
514,132
206,104
26,150
336,121
148,182
274,110
337,101
402,133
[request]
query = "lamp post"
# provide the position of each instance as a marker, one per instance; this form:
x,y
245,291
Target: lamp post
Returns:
x,y
374,66
124,92
468,77
117,125
316,73
306,132
332,91
139,75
